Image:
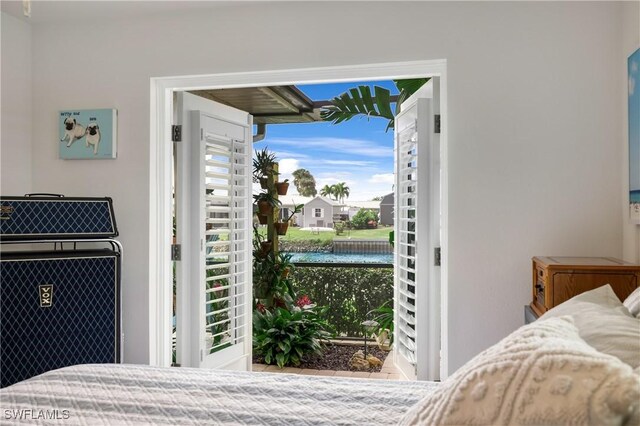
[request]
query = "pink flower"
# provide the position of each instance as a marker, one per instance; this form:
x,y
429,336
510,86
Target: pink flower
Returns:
x,y
303,301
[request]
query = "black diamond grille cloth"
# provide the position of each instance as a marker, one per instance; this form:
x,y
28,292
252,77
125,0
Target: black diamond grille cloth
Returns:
x,y
79,327
60,217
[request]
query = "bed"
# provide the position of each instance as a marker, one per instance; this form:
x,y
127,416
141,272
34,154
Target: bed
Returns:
x,y
577,364
133,394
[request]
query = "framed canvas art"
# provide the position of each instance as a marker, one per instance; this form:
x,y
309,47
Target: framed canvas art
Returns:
x,y
634,136
88,134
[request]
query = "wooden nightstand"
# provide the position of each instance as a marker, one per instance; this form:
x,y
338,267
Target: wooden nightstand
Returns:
x,y
557,279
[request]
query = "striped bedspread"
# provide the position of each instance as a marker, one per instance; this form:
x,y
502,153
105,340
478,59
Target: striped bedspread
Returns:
x,y
131,395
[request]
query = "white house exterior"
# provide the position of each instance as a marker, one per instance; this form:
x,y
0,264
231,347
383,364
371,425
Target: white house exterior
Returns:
x,y
320,212
288,204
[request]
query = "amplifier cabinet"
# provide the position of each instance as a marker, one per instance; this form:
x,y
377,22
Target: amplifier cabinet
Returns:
x,y
557,279
58,308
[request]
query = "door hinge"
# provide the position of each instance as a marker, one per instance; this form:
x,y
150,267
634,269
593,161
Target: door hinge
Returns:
x,y
437,256
176,252
436,123
176,133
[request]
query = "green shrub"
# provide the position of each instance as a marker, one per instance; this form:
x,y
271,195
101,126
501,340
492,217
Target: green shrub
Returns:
x,y
284,336
362,219
349,293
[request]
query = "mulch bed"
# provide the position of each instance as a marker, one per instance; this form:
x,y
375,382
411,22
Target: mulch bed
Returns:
x,y
336,357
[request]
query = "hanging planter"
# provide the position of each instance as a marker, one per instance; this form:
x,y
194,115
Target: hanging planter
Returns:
x,y
266,203
265,247
264,183
282,187
281,227
262,219
265,208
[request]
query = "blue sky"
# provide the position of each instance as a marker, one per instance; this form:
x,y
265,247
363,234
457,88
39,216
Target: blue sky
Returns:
x,y
357,152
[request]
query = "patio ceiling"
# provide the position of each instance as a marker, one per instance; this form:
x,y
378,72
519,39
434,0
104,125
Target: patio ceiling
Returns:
x,y
268,105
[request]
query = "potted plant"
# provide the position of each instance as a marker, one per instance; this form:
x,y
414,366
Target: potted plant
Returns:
x,y
263,166
282,227
261,246
384,329
284,264
262,219
266,203
282,187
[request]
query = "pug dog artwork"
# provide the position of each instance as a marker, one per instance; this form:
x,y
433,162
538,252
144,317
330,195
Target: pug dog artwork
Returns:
x,y
98,128
72,131
93,136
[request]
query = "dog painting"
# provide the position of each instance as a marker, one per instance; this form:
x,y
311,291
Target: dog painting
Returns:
x,y
88,134
72,131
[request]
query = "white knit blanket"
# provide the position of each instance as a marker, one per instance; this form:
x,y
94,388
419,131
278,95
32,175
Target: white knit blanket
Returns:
x,y
131,395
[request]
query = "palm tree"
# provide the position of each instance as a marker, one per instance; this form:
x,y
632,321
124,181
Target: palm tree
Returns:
x,y
360,102
305,183
328,191
341,191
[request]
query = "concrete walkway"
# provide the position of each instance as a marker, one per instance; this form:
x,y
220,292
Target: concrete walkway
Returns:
x,y
388,372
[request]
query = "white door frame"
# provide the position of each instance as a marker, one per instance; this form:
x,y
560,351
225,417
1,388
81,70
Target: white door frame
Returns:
x,y
160,171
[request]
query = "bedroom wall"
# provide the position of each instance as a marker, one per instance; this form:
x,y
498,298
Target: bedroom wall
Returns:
x,y
533,115
630,42
15,114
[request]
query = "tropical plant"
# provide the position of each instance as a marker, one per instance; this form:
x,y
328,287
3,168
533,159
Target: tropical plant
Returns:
x,y
338,227
359,101
263,163
305,183
384,319
297,208
327,191
266,202
284,336
363,218
341,191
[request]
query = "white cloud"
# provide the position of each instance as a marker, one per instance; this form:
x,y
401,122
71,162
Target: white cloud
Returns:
x,y
632,85
288,165
360,147
382,178
353,163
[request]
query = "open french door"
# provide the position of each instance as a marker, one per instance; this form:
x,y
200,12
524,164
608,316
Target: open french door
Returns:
x,y
417,235
213,230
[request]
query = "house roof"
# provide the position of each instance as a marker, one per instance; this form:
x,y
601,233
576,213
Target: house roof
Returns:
x,y
327,200
364,204
293,199
268,105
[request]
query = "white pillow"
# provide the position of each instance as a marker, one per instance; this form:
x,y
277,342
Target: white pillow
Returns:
x,y
632,303
541,374
604,323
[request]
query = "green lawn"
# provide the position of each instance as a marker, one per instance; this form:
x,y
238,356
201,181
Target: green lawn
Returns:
x,y
295,234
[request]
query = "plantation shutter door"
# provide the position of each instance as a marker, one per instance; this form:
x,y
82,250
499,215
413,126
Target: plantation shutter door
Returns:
x,y
416,222
220,301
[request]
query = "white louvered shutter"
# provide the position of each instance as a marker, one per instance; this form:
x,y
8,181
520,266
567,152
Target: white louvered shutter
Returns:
x,y
416,224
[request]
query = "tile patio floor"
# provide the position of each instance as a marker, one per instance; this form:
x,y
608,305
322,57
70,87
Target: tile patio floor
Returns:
x,y
388,372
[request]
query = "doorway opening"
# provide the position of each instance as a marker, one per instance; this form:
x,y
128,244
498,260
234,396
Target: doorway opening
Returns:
x,y
164,101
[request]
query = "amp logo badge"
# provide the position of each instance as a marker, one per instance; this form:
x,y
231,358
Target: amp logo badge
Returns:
x,y
46,295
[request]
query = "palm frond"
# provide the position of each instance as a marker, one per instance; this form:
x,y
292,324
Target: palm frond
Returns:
x,y
357,102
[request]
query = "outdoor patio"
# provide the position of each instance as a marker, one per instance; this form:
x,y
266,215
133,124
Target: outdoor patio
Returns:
x,y
388,372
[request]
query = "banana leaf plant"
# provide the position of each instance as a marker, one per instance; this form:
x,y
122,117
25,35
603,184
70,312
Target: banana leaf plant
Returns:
x,y
360,101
